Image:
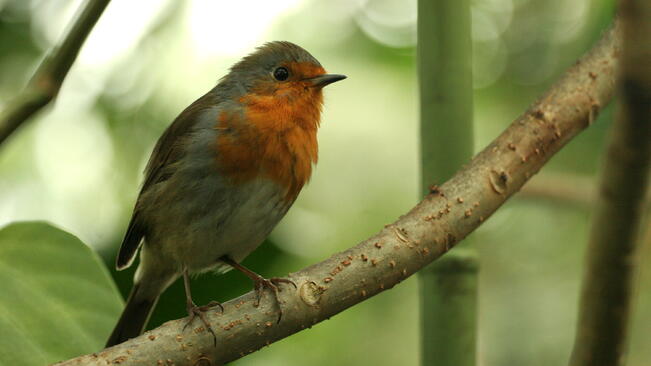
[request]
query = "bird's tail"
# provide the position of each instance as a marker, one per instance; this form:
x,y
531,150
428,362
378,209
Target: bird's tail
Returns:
x,y
134,316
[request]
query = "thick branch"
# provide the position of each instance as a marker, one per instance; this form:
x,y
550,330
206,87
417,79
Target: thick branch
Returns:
x,y
46,82
445,216
611,258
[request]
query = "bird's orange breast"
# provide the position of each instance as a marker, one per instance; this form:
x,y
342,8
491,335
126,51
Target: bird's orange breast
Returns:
x,y
273,138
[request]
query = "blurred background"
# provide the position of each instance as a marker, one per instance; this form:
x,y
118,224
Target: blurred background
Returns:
x,y
78,164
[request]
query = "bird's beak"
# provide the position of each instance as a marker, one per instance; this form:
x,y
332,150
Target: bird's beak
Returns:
x,y
323,80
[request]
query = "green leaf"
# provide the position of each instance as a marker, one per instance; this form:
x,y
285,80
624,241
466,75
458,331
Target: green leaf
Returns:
x,y
57,300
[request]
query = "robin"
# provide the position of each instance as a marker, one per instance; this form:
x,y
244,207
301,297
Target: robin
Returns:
x,y
222,176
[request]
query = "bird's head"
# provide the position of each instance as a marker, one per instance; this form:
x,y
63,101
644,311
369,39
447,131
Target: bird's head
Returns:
x,y
279,70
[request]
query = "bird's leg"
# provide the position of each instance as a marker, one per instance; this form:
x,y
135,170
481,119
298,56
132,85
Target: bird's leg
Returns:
x,y
197,311
260,283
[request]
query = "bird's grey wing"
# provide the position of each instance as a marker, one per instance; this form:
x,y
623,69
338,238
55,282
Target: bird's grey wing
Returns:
x,y
166,152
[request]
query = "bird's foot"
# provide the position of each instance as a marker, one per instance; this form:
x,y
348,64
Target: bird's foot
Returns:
x,y
271,283
260,283
195,311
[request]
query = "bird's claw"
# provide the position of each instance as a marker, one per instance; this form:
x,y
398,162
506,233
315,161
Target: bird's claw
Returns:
x,y
212,304
271,283
195,311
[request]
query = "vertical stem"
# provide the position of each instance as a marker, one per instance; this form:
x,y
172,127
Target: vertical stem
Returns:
x,y
449,310
448,288
605,305
445,73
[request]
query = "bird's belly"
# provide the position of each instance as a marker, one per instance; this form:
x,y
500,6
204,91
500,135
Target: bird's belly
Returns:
x,y
222,221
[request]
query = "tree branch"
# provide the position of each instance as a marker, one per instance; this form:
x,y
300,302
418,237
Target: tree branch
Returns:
x,y
561,188
48,78
444,217
612,251
567,189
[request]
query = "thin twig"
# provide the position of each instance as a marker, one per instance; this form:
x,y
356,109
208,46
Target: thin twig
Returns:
x,y
48,78
567,189
431,228
607,293
571,189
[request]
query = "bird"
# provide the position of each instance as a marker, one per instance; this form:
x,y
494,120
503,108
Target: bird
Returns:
x,y
221,177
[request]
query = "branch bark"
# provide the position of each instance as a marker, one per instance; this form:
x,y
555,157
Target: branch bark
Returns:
x,y
48,78
444,217
605,304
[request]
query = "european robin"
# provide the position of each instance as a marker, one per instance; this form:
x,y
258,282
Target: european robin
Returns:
x,y
222,176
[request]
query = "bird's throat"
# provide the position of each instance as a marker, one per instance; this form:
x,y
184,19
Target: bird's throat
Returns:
x,y
269,140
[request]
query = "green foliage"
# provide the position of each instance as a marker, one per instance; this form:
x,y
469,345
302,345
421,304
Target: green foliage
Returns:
x,y
57,299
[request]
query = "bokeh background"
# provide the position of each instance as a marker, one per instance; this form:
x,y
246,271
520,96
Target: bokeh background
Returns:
x,y
78,163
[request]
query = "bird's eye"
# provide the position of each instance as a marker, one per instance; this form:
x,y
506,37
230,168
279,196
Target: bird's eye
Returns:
x,y
281,74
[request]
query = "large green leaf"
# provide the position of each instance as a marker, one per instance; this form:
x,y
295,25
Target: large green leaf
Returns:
x,y
57,300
